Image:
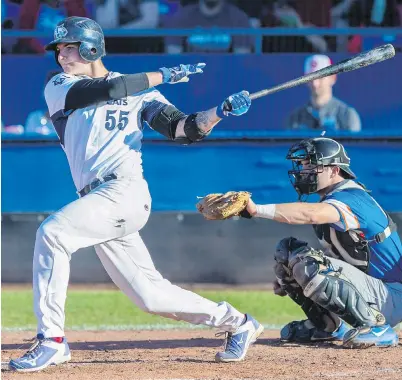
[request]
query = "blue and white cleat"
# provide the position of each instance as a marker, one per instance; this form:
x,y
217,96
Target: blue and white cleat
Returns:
x,y
338,334
305,332
364,337
43,353
238,343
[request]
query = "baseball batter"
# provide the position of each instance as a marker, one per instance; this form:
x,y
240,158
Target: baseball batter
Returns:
x,y
98,116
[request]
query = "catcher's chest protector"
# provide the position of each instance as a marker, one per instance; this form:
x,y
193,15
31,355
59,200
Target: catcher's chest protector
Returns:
x,y
352,245
348,246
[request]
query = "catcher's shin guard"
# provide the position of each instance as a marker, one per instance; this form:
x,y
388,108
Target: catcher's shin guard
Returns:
x,y
331,290
319,317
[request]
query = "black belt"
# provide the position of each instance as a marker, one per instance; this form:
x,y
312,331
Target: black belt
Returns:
x,y
88,188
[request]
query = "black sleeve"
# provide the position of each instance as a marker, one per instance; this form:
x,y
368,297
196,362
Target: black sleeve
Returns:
x,y
162,118
91,91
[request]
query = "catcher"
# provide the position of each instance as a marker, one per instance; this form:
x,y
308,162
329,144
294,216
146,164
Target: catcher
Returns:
x,y
357,278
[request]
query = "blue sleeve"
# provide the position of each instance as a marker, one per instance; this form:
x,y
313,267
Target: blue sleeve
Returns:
x,y
351,207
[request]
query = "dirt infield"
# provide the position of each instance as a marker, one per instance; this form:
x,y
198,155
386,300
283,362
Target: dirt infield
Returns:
x,y
189,354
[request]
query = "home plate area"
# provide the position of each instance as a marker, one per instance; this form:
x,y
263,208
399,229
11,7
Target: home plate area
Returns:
x,y
189,354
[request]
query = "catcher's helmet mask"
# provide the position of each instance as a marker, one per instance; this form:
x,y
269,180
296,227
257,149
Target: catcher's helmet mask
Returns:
x,y
318,152
84,31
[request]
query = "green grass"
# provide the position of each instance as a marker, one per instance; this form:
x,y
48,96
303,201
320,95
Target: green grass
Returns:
x,y
106,308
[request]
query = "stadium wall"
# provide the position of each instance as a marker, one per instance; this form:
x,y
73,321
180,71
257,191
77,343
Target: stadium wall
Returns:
x,y
372,91
185,249
36,176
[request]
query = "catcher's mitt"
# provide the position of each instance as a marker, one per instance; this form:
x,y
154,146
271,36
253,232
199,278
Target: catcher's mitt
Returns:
x,y
223,206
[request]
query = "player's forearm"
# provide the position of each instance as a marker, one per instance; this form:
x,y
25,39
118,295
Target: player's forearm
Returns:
x,y
297,213
197,126
154,79
283,213
204,121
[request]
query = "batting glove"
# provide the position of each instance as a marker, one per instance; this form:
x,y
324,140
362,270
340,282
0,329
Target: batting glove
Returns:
x,y
180,73
236,104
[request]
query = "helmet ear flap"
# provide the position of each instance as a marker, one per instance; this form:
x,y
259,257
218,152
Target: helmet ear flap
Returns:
x,y
90,52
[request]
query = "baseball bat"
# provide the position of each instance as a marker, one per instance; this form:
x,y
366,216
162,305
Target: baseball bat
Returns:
x,y
370,57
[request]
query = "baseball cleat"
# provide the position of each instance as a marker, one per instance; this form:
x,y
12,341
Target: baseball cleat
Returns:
x,y
237,343
338,334
43,353
364,337
306,332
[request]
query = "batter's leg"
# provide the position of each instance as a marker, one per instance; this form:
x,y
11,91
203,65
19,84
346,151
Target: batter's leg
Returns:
x,y
130,266
95,218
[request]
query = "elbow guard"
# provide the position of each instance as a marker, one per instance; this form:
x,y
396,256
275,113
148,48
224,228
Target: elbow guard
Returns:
x,y
166,120
192,131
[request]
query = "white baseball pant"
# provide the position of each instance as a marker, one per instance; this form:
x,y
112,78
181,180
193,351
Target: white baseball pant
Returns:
x,y
109,218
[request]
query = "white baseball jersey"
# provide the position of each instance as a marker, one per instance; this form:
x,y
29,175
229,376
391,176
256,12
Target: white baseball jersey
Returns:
x,y
101,138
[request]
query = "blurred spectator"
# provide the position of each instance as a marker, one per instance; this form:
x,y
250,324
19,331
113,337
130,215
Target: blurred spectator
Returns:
x,y
16,129
399,7
254,10
130,14
363,13
323,111
38,121
7,43
183,3
374,13
208,14
127,14
28,17
282,14
371,13
340,19
313,12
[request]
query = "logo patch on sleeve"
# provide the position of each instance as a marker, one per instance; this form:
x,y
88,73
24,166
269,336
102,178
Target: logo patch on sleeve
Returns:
x,y
59,80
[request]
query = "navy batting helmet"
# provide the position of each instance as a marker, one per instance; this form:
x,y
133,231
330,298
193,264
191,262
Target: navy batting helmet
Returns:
x,y
84,31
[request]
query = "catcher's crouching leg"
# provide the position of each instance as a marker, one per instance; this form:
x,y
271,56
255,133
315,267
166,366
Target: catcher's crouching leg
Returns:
x,y
321,324
331,290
